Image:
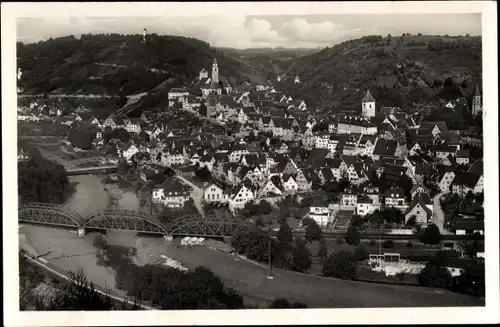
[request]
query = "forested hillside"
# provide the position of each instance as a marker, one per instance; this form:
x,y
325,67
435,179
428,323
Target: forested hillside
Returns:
x,y
398,70
121,64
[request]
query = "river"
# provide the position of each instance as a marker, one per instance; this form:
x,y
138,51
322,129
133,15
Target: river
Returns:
x,y
89,197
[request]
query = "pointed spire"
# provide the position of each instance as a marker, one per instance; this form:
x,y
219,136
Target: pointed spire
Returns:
x,y
368,97
215,62
477,91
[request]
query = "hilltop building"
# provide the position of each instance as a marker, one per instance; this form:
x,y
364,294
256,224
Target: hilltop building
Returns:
x,y
209,85
476,102
368,105
297,79
144,34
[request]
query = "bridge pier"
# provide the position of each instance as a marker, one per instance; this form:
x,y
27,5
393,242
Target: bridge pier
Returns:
x,y
81,232
168,238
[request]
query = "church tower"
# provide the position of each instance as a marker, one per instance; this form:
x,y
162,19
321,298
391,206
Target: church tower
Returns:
x,y
368,105
476,102
144,34
297,79
215,73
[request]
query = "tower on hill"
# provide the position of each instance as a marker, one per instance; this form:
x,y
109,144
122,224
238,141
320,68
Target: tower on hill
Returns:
x,y
144,34
297,79
368,105
215,72
476,102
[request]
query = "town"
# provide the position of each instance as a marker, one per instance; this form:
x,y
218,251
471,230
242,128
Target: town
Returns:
x,y
388,183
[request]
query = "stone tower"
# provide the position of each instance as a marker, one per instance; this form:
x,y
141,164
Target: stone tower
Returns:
x,y
476,102
215,73
144,34
368,105
297,79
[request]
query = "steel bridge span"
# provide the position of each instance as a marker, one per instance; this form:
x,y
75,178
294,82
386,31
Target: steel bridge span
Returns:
x,y
126,220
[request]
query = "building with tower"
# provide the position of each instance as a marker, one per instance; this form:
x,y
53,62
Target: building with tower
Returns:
x,y
476,102
368,105
144,34
215,72
278,78
297,79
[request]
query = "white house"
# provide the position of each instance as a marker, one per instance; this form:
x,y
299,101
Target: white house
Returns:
x,y
214,193
321,214
240,197
176,94
171,193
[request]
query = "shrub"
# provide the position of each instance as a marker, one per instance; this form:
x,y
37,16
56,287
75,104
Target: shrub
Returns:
x,y
340,264
409,244
388,244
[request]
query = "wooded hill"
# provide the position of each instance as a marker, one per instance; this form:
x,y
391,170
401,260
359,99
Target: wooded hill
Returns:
x,y
398,70
121,64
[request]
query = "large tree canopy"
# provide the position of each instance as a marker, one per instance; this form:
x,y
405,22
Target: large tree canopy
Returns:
x,y
42,180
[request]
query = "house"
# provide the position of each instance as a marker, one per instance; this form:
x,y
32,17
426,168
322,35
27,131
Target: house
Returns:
x,y
171,193
348,199
462,157
271,188
445,179
465,182
373,193
173,157
435,127
444,151
421,208
289,183
215,192
395,197
366,145
240,197
386,148
133,125
422,172
417,189
176,95
129,150
320,213
351,124
303,181
366,205
469,226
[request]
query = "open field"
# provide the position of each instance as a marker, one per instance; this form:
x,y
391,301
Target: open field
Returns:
x,y
67,251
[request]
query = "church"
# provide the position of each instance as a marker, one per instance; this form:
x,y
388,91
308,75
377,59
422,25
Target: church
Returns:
x,y
210,85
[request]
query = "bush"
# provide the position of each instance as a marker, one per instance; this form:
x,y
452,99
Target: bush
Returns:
x,y
360,253
409,244
340,264
42,180
313,231
388,244
301,257
353,236
281,303
431,235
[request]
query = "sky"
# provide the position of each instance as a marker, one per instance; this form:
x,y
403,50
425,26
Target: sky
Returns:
x,y
239,31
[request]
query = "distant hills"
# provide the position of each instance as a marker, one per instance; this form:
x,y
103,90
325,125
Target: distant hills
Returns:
x,y
398,70
122,64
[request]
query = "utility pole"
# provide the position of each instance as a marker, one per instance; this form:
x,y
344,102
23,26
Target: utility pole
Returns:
x,y
270,272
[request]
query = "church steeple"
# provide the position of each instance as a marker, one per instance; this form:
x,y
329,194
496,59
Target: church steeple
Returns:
x,y
476,102
215,72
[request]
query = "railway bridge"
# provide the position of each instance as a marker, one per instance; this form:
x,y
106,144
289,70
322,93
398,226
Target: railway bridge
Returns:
x,y
127,220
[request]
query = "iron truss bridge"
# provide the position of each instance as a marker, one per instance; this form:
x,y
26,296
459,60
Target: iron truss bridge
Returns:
x,y
127,220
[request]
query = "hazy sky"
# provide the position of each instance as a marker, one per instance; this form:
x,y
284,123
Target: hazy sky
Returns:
x,y
240,31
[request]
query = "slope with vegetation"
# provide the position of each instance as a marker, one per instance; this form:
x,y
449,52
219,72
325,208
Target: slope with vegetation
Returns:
x,y
120,64
398,70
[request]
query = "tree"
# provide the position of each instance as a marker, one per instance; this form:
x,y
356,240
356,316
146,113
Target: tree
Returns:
x,y
360,253
431,235
323,250
472,280
203,173
352,236
313,231
265,207
435,276
81,138
284,235
341,264
301,257
411,221
282,303
203,110
42,180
